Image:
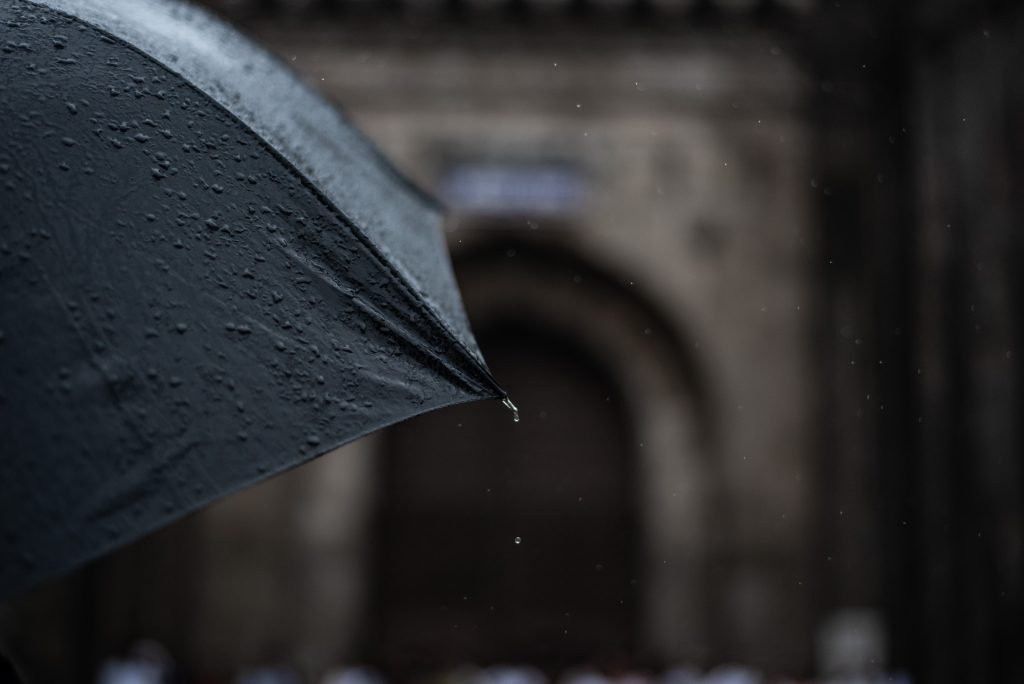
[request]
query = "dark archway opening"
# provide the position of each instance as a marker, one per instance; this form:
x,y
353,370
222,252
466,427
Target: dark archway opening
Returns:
x,y
510,542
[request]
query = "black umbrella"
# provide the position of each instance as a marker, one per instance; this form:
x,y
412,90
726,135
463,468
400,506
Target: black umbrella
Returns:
x,y
206,275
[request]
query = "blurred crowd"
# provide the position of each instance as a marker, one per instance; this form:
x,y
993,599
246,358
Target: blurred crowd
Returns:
x,y
149,663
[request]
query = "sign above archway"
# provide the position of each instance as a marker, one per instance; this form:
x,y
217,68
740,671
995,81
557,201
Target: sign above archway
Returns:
x,y
499,187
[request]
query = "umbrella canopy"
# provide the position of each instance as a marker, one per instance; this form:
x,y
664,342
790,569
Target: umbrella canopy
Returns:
x,y
206,277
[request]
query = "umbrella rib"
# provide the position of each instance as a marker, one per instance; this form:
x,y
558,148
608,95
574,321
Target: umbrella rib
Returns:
x,y
380,318
383,262
322,273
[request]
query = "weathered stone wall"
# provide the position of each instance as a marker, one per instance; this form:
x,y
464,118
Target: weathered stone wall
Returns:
x,y
695,155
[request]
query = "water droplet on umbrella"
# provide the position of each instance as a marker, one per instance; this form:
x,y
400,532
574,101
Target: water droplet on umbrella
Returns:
x,y
511,407
312,440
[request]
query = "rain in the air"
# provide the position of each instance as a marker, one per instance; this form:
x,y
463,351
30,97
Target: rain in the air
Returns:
x,y
511,341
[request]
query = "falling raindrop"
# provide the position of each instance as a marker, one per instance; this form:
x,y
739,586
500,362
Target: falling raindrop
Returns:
x,y
519,540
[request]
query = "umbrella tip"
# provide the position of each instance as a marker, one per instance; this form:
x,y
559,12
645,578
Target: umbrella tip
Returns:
x,y
511,407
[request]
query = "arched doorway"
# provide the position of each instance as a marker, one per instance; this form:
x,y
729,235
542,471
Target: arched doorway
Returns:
x,y
612,397
511,542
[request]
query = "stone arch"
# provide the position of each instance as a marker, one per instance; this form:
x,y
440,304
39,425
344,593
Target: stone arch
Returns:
x,y
501,270
518,280
553,278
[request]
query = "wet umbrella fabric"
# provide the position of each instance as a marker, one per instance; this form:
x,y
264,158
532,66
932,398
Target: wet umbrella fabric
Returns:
x,y
206,277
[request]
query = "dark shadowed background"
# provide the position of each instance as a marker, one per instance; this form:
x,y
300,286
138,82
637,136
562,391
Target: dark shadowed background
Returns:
x,y
749,268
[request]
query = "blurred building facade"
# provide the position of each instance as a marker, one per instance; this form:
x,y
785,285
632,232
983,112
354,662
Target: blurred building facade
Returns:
x,y
748,269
